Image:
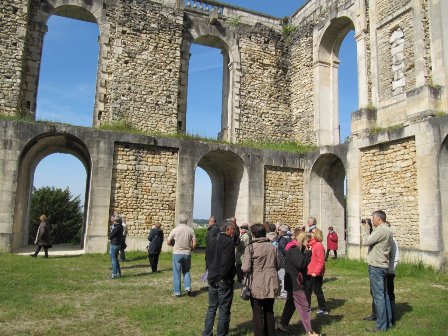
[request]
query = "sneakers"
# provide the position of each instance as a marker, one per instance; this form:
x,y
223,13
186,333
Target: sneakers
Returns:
x,y
321,312
175,295
189,293
281,327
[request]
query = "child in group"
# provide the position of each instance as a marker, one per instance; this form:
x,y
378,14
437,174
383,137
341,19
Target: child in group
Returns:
x,y
316,270
332,243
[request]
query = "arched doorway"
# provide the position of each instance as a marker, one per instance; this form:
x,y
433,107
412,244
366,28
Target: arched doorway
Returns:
x,y
327,195
33,153
228,176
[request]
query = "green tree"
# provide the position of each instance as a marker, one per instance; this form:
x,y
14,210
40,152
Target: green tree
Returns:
x,y
64,213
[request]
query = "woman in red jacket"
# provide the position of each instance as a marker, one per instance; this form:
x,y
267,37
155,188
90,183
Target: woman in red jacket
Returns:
x,y
332,243
316,270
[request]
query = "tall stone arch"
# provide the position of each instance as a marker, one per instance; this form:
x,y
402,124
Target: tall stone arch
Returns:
x,y
37,149
39,14
230,189
326,195
328,39
200,31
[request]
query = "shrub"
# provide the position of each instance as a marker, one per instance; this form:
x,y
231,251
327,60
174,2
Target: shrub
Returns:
x,y
201,235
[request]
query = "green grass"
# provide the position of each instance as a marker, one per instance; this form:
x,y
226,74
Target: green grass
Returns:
x,y
74,295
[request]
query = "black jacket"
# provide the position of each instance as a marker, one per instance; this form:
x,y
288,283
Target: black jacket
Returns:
x,y
282,241
221,259
296,263
212,234
156,240
116,235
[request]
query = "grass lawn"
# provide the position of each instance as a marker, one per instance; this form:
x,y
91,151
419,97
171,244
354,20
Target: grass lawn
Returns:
x,y
74,296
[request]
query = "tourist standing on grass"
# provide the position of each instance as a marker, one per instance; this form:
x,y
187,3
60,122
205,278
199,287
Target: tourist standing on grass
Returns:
x,y
116,238
239,251
311,224
284,237
316,271
221,273
42,237
183,240
332,243
263,257
236,233
378,258
298,256
123,243
155,238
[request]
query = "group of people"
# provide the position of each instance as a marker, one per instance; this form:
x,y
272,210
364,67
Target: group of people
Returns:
x,y
274,263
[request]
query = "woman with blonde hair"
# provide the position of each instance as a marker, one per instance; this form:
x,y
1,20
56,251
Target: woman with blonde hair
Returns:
x,y
42,237
316,271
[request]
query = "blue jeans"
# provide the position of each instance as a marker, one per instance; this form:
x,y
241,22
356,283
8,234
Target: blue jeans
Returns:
x,y
181,264
220,295
378,278
116,270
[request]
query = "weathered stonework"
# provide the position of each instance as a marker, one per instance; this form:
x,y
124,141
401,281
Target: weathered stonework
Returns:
x,y
283,194
264,99
302,85
13,16
142,68
388,56
144,186
389,182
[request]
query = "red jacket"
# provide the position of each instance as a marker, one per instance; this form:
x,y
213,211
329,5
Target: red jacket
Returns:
x,y
317,264
332,241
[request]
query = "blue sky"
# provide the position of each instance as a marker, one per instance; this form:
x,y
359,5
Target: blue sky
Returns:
x,y
67,90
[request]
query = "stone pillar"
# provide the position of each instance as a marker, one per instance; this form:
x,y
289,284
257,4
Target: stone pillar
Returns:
x,y
185,183
361,47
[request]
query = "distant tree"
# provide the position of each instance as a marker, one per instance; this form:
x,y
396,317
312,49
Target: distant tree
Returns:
x,y
64,213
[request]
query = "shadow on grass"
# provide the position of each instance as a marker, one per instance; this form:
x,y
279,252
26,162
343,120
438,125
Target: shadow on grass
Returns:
x,y
241,329
333,303
199,291
143,257
330,279
401,309
134,266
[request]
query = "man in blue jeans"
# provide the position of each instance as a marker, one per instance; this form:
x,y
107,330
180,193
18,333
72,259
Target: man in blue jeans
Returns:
x,y
379,242
220,263
183,240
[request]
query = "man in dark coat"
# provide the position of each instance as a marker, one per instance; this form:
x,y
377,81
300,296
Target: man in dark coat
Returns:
x,y
155,238
116,238
221,272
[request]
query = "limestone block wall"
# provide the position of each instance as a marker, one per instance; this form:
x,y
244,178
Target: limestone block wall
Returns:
x,y
141,71
144,186
396,53
264,87
13,16
387,7
389,183
302,86
283,200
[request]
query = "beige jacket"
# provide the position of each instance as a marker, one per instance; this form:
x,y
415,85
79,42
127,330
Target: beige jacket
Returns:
x,y
265,284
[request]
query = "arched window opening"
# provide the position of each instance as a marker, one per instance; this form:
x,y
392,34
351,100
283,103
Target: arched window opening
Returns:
x,y
202,197
205,97
337,75
348,85
59,191
68,71
328,196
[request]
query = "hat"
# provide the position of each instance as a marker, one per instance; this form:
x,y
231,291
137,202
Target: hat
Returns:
x,y
183,219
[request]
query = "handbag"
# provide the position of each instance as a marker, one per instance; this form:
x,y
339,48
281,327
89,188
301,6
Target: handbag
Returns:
x,y
246,292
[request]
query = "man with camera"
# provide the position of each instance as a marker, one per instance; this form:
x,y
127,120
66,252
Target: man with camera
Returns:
x,y
379,241
220,262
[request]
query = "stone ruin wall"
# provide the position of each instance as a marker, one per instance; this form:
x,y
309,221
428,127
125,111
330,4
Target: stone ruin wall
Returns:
x,y
143,66
264,87
387,55
144,186
283,195
13,17
302,85
389,182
